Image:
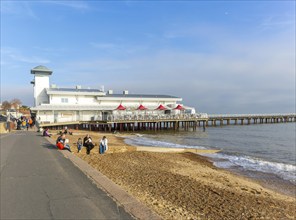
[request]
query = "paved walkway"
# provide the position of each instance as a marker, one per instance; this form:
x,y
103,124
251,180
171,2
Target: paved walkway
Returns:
x,y
38,182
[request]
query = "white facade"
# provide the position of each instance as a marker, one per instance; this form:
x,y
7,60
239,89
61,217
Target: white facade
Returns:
x,y
54,104
41,83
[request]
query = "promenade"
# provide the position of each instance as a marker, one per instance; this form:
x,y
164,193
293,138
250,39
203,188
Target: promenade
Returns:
x,y
38,182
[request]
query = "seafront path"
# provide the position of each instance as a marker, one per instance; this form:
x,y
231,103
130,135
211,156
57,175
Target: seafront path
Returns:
x,y
38,182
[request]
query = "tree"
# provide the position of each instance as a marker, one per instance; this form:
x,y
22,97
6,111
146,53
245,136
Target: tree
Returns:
x,y
6,105
15,103
25,107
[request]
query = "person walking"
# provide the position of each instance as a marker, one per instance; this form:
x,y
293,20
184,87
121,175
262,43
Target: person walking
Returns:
x,y
87,142
30,122
61,143
27,124
103,145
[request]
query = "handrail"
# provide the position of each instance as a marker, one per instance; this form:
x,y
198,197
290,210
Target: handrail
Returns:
x,y
149,117
251,115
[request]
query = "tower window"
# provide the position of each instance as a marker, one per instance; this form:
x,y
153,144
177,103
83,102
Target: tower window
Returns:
x,y
64,100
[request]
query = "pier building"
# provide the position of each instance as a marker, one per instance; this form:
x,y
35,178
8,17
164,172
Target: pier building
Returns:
x,y
54,104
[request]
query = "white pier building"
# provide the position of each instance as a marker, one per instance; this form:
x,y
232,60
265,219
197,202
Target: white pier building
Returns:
x,y
54,104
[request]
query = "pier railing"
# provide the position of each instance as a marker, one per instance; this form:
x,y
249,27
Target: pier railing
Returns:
x,y
250,119
138,122
166,117
225,116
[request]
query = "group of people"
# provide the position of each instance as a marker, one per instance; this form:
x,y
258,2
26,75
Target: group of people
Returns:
x,y
62,144
24,123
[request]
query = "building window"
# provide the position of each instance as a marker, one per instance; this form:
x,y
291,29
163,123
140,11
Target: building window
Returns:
x,y
64,100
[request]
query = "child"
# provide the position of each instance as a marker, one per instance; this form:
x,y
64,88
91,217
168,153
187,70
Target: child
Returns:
x,y
79,144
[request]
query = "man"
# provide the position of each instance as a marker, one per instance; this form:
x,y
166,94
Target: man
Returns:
x,y
61,143
87,142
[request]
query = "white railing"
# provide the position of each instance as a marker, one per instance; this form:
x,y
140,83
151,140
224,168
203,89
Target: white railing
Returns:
x,y
128,117
251,115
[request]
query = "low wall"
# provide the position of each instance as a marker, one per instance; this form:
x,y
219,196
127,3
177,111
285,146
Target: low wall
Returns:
x,y
3,127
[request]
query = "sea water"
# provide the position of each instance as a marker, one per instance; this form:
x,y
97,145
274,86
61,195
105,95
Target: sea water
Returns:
x,y
266,152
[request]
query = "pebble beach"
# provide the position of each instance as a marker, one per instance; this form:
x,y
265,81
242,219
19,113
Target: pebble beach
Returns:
x,y
184,185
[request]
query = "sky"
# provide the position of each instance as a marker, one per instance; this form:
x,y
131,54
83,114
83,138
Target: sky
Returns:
x,y
219,56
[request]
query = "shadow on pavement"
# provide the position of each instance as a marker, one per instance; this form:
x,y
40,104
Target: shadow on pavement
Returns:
x,y
49,146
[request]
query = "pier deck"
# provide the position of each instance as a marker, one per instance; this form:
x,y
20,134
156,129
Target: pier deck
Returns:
x,y
186,122
246,119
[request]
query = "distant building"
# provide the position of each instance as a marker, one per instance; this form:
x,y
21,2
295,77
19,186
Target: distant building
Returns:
x,y
55,104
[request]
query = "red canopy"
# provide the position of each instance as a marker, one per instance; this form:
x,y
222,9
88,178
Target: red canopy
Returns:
x,y
179,107
161,107
141,107
120,107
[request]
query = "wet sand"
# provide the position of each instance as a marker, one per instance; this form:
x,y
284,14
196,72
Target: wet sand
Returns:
x,y
184,185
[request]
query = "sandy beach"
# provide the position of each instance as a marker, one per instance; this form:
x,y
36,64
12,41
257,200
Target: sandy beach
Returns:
x,y
184,185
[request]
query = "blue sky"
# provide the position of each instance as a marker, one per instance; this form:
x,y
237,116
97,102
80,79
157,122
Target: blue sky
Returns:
x,y
220,56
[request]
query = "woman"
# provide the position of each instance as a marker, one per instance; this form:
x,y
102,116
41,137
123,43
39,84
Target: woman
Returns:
x,y
61,143
46,133
103,145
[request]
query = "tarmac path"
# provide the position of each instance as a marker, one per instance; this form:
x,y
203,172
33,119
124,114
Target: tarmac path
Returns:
x,y
38,182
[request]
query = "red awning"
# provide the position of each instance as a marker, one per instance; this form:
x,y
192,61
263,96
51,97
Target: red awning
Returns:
x,y
161,107
179,107
141,107
120,107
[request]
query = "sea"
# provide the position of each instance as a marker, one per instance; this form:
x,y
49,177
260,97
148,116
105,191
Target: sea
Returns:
x,y
265,152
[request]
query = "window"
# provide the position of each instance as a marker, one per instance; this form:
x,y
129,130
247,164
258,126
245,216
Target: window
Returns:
x,y
64,100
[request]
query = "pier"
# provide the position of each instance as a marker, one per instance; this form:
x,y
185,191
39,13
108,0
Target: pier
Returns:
x,y
137,123
171,122
247,119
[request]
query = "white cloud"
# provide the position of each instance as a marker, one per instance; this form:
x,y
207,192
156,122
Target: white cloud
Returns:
x,y
18,8
78,5
278,21
258,81
11,55
118,49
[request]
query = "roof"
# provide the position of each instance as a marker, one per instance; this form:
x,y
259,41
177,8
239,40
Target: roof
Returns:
x,y
66,107
141,96
41,69
100,93
73,90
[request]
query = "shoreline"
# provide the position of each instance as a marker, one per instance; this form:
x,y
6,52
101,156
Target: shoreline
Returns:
x,y
270,180
184,185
